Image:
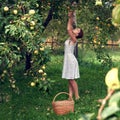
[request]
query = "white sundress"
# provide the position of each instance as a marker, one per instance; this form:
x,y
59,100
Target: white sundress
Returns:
x,y
70,64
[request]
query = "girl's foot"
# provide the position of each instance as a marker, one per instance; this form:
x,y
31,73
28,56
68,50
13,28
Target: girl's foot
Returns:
x,y
77,98
70,98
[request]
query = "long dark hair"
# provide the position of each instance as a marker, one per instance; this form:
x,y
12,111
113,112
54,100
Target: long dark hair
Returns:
x,y
80,34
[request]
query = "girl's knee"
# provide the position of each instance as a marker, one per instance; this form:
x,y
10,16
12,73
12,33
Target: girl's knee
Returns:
x,y
71,81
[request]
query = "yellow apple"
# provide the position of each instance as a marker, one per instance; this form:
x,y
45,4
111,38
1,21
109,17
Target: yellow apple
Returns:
x,y
32,84
112,80
44,74
15,12
32,23
12,61
36,52
2,75
31,28
42,49
96,27
37,5
18,48
43,67
23,18
31,12
40,71
6,8
97,18
43,78
98,2
13,86
5,71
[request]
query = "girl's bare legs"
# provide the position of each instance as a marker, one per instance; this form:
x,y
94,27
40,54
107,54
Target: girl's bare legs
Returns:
x,y
70,90
73,88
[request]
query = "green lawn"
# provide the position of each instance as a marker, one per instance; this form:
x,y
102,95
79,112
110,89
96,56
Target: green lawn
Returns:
x,y
32,104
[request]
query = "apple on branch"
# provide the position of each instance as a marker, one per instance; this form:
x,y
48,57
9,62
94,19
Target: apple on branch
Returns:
x,y
6,8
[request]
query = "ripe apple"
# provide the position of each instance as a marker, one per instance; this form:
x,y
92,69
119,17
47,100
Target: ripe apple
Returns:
x,y
31,28
32,11
96,27
5,71
23,18
43,78
15,12
43,67
13,86
44,74
6,8
40,71
37,5
36,52
32,84
18,48
97,18
98,2
42,49
32,23
2,75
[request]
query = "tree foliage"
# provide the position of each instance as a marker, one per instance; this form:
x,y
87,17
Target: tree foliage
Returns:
x,y
24,23
21,32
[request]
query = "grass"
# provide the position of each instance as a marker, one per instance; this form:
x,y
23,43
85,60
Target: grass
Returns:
x,y
32,104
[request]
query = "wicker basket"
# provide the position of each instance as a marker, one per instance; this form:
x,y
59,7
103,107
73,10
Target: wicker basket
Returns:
x,y
64,106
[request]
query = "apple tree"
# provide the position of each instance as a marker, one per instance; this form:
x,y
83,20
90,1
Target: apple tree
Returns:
x,y
22,26
21,35
96,20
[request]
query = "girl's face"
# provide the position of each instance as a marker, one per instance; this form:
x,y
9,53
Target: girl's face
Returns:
x,y
76,31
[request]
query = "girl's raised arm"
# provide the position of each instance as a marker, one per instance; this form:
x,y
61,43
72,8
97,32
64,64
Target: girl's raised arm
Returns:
x,y
70,26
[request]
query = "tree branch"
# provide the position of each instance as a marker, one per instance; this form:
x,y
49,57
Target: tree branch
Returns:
x,y
49,18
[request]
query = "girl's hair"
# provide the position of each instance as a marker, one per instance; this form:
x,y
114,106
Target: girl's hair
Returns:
x,y
80,34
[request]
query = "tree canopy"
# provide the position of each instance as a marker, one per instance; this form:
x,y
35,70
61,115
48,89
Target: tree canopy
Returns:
x,y
25,25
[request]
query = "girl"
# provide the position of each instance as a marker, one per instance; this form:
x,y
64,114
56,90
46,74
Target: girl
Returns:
x,y
70,66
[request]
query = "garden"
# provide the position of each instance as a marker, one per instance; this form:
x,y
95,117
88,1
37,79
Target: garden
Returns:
x,y
32,52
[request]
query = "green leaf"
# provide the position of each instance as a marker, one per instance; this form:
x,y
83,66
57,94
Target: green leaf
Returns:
x,y
86,116
108,111
115,99
2,43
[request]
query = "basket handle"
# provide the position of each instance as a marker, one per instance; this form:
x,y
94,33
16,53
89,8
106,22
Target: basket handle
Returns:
x,y
62,93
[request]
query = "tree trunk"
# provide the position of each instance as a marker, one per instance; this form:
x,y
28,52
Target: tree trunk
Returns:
x,y
28,61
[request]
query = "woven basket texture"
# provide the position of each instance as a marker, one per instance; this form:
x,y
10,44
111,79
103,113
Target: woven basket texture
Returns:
x,y
64,106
